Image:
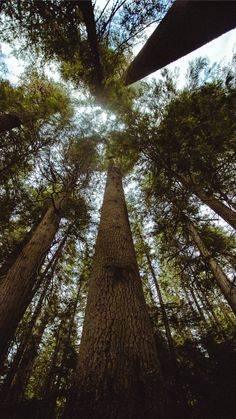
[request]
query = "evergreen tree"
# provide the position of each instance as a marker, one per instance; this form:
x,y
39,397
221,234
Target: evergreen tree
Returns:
x,y
117,331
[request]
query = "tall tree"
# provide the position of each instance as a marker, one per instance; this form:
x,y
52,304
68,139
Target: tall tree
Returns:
x,y
228,289
45,279
225,212
19,281
118,373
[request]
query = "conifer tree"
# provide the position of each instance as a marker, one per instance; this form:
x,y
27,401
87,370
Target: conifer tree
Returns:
x,y
118,372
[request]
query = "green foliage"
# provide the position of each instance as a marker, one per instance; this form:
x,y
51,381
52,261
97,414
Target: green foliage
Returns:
x,y
36,99
51,26
55,30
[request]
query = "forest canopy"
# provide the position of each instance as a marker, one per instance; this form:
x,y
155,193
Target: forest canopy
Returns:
x,y
118,212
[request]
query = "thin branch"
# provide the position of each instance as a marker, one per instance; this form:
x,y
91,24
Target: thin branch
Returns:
x,y
114,10
136,33
103,10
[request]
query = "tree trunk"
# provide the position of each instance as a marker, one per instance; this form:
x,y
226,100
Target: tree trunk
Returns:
x,y
9,121
200,311
212,319
47,276
162,305
231,258
118,373
217,206
11,258
227,315
17,284
86,8
63,371
15,392
47,391
189,290
50,267
227,289
177,395
187,26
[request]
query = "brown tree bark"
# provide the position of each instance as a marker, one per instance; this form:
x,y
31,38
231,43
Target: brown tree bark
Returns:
x,y
10,260
228,290
18,282
118,373
46,279
9,121
217,206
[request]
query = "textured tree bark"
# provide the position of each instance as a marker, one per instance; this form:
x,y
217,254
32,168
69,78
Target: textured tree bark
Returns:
x,y
118,374
9,121
47,276
217,206
10,260
227,289
17,284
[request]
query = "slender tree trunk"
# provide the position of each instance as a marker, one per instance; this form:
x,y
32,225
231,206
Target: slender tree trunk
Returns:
x,y
118,373
159,294
211,313
17,361
11,258
63,369
227,315
217,206
86,8
227,289
207,307
189,301
9,121
19,381
177,394
229,201
46,390
190,290
17,284
48,278
49,268
231,258
200,311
